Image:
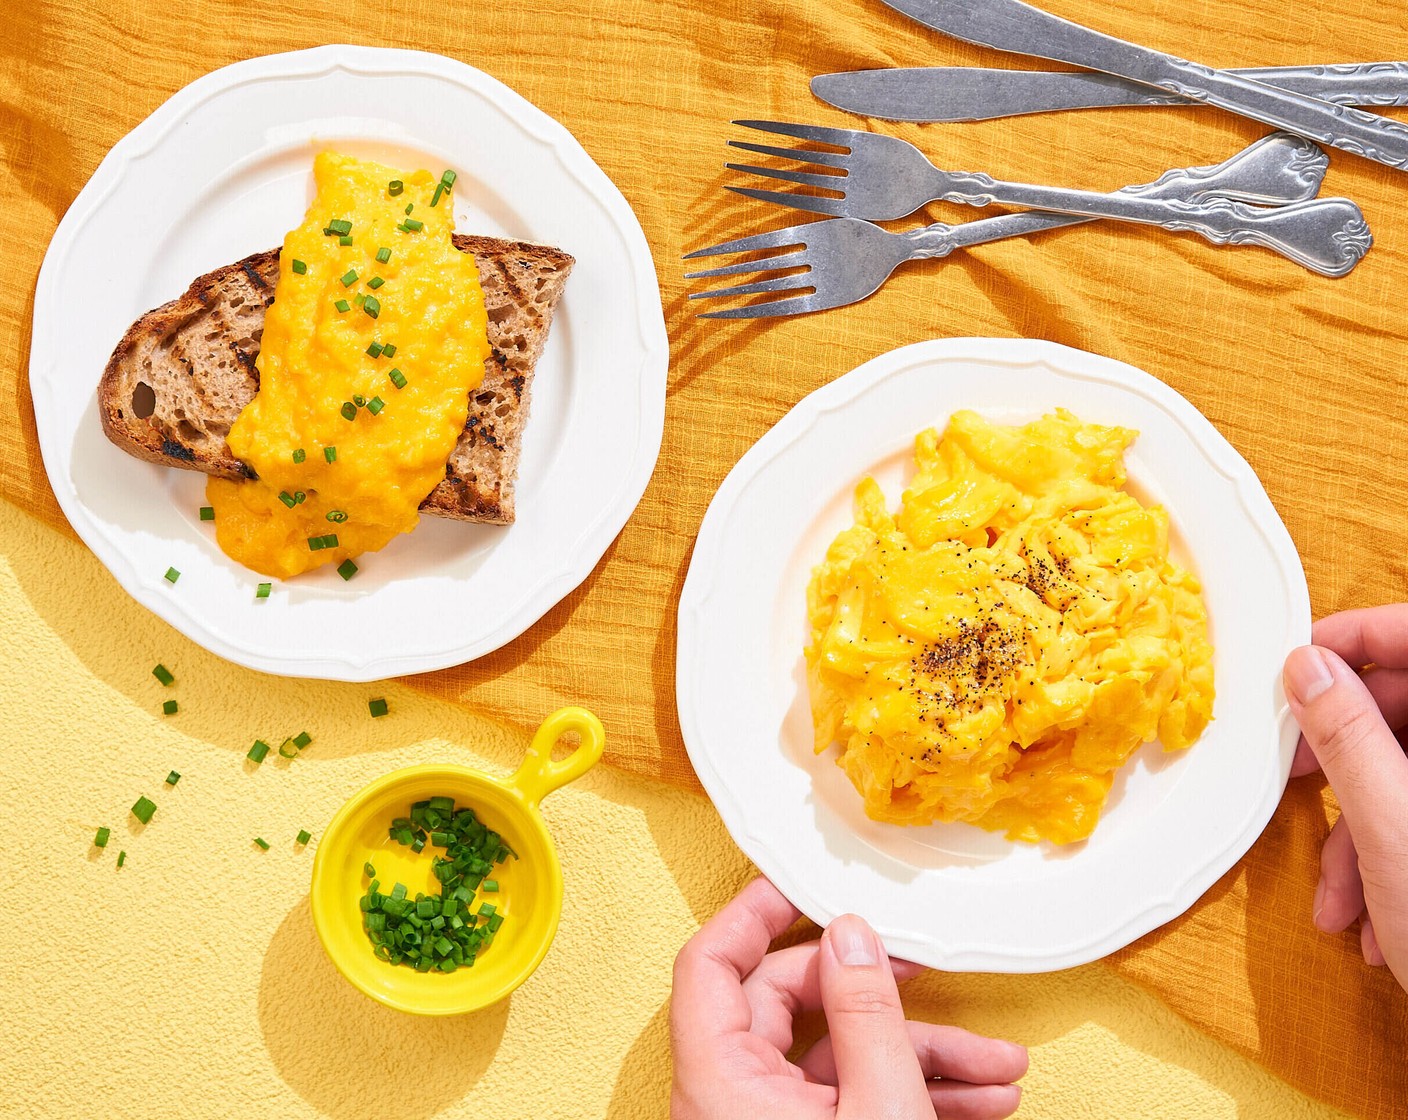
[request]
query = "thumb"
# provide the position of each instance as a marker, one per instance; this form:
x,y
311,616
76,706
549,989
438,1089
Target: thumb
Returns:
x,y
1360,756
877,1072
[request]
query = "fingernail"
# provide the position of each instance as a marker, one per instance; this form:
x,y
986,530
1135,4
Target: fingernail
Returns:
x,y
1319,903
853,942
1307,674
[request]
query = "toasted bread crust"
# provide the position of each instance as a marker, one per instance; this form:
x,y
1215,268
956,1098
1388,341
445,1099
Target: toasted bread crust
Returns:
x,y
195,358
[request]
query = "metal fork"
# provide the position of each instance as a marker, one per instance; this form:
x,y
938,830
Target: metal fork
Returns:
x,y
886,177
848,259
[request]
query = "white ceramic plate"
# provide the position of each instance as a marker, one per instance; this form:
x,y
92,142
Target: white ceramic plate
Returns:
x,y
224,169
953,896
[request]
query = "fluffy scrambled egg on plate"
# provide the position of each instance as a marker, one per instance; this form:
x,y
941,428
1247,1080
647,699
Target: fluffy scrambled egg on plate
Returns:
x,y
995,650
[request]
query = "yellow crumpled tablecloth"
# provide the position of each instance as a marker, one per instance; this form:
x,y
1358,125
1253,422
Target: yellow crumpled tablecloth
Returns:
x,y
1300,373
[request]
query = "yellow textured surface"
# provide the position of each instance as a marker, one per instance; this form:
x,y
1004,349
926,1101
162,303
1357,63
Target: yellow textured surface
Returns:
x,y
1302,374
190,983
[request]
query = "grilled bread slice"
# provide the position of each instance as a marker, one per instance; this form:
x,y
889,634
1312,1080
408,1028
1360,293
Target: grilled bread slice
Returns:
x,y
182,373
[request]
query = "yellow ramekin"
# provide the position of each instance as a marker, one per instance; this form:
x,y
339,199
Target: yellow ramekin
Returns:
x,y
530,887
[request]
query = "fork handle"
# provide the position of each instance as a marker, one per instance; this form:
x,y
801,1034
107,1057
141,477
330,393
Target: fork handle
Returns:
x,y
1329,236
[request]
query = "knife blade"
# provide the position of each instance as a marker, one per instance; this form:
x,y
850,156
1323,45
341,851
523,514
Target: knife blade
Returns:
x,y
1011,25
927,94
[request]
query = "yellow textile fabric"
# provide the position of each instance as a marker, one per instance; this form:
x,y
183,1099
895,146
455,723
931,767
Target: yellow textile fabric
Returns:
x,y
1300,373
190,983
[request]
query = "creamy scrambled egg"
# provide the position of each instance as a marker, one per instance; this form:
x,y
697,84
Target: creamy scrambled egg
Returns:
x,y
996,649
376,337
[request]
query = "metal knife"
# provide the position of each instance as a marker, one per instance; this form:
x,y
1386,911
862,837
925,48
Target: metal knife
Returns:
x,y
962,93
1010,25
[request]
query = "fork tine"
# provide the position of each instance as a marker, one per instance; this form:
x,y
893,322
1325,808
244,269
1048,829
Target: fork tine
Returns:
x,y
806,178
795,305
776,284
777,239
810,202
767,264
838,137
802,155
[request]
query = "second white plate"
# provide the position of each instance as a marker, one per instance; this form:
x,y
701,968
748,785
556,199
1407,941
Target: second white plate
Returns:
x,y
951,895
222,170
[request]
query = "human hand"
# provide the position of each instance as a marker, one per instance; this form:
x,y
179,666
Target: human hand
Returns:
x,y
732,1012
1350,725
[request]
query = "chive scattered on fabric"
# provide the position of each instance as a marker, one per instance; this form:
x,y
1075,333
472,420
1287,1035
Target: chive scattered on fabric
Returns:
x,y
303,836
349,412
262,842
101,840
299,454
377,707
300,268
397,378
330,454
375,282
347,569
121,858
207,513
143,809
343,305
395,187
168,708
349,277
262,591
259,752
372,306
172,778
163,674
345,239
375,405
437,932
375,349
172,575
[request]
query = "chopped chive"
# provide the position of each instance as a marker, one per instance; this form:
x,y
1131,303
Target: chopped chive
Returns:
x,y
315,544
288,749
375,282
397,378
262,592
439,190
410,206
121,858
340,226
259,752
343,305
143,809
377,707
369,871
349,412
414,225
207,513
299,267
383,254
299,454
163,674
375,405
302,739
372,306
487,910
448,177
303,836
347,569
287,499
389,350
330,454
101,840
360,298
349,277
169,708
359,400
490,885
395,187
375,349
264,844
345,239
299,497
336,516
172,575
172,778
